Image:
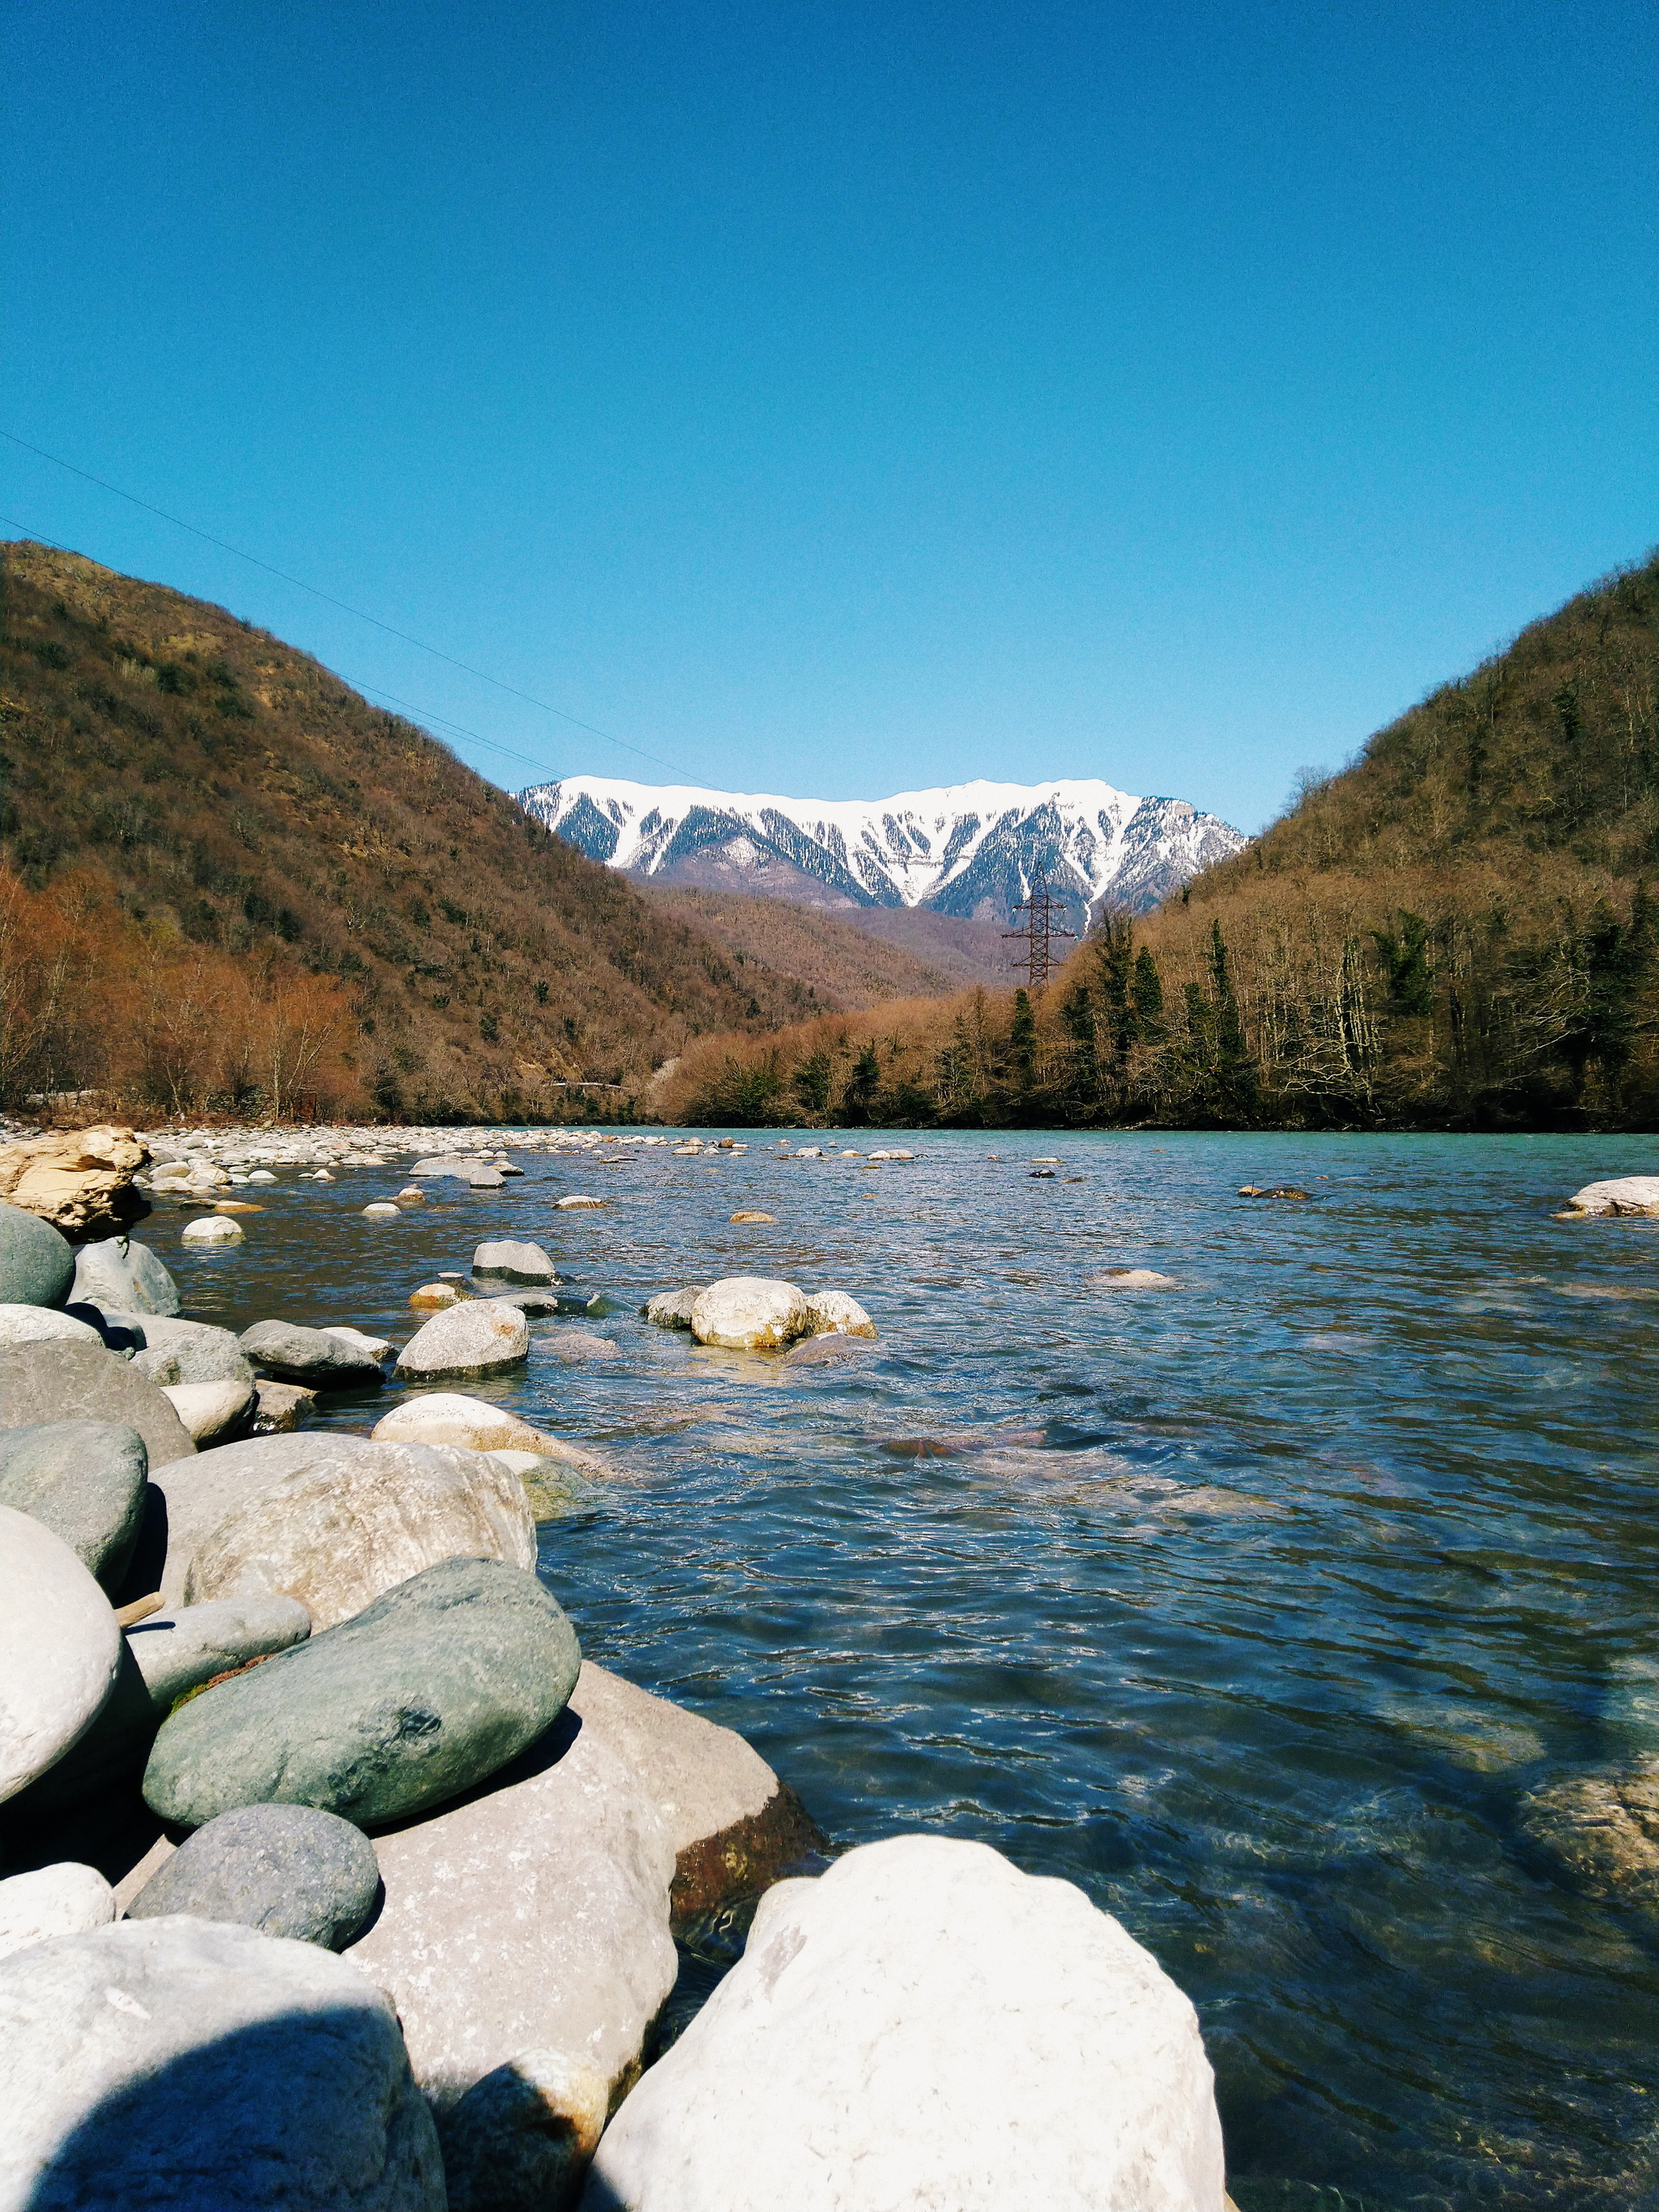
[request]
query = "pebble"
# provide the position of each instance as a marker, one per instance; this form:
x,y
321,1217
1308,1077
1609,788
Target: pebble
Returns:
x,y
286,1869
429,1691
85,1480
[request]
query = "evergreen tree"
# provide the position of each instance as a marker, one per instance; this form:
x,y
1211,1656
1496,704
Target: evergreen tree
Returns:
x,y
1147,991
1022,1041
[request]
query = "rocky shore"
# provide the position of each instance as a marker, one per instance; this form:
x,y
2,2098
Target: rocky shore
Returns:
x,y
335,1875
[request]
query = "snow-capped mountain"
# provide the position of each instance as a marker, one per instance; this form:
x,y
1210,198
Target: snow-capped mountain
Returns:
x,y
971,849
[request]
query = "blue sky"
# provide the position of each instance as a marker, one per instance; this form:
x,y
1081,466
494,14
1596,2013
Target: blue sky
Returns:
x,y
835,399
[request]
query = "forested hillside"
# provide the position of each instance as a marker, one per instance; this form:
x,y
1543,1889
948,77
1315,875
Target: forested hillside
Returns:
x,y
226,879
844,963
1459,930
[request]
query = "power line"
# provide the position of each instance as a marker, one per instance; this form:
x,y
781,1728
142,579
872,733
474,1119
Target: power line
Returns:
x,y
371,690
299,584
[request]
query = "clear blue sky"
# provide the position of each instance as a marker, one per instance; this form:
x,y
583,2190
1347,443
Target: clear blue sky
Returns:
x,y
835,398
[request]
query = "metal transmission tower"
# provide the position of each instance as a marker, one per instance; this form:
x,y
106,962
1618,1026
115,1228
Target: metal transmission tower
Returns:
x,y
1041,929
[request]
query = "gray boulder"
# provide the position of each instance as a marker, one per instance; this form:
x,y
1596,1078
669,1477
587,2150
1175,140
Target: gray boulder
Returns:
x,y
286,1869
123,1333
193,1352
197,1494
514,1263
431,1690
191,2065
163,1658
313,1356
59,1649
45,1325
829,1350
924,2024
564,1893
486,1336
673,1308
343,1528
37,1265
43,1382
86,1480
124,1277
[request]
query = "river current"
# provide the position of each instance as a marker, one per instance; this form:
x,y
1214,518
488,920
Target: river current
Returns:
x,y
1256,1607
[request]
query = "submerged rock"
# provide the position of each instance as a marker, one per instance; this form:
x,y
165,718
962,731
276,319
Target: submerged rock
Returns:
x,y
1599,1832
1130,1279
198,2066
286,1869
924,2024
86,1481
37,1265
59,1649
428,1691
827,1351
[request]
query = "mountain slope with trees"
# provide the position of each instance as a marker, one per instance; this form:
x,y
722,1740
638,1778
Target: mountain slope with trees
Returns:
x,y
1460,930
226,879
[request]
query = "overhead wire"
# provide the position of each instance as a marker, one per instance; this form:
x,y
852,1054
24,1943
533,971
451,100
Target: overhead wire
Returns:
x,y
345,607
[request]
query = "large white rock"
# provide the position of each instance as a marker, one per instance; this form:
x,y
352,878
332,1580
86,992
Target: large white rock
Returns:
x,y
750,1313
201,1492
531,1916
198,2066
59,1649
211,1411
35,1324
926,2026
65,1899
211,1228
1623,1194
447,1416
485,1336
337,1532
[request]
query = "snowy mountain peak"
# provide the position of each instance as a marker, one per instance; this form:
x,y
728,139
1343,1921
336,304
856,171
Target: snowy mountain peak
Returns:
x,y
969,849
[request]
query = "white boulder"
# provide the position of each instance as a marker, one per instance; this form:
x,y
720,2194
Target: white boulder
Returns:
x,y
833,1313
60,1649
337,1532
486,1336
211,1412
531,1917
445,1417
1623,1194
36,1324
65,1899
197,2065
750,1313
924,2025
211,1228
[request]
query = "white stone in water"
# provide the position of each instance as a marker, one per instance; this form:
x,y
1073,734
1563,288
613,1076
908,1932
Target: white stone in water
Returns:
x,y
65,1899
750,1313
486,1336
1622,1194
60,1649
835,1314
262,1175
1130,1279
212,1229
577,1205
383,1210
925,2025
447,1416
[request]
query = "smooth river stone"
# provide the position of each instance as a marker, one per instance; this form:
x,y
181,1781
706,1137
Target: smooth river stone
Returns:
x,y
514,1262
65,1899
86,1480
285,1870
924,2024
59,1649
42,1382
183,2066
436,1685
673,1308
43,1325
834,1313
123,1276
314,1356
445,1417
750,1313
345,1529
200,1493
191,1351
485,1336
37,1265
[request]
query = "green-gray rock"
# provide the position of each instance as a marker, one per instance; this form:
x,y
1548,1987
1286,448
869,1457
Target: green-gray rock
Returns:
x,y
425,1693
125,1276
286,1869
37,1265
85,1479
83,1381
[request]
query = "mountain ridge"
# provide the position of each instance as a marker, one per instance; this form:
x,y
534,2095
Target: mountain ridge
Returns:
x,y
971,850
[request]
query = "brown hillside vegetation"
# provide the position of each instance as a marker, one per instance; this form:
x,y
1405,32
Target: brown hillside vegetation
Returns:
x,y
204,832
1460,930
843,962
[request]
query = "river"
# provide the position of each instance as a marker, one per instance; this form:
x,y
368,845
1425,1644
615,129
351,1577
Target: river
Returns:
x,y
1255,1606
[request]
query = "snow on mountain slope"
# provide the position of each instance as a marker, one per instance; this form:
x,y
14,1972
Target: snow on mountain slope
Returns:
x,y
971,849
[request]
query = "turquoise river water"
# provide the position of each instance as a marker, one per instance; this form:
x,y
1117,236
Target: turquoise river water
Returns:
x,y
1255,1606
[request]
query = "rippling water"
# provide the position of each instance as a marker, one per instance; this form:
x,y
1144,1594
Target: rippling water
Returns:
x,y
1254,1607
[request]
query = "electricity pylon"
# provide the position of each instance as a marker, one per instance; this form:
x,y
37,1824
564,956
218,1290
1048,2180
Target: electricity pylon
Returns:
x,y
1039,930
